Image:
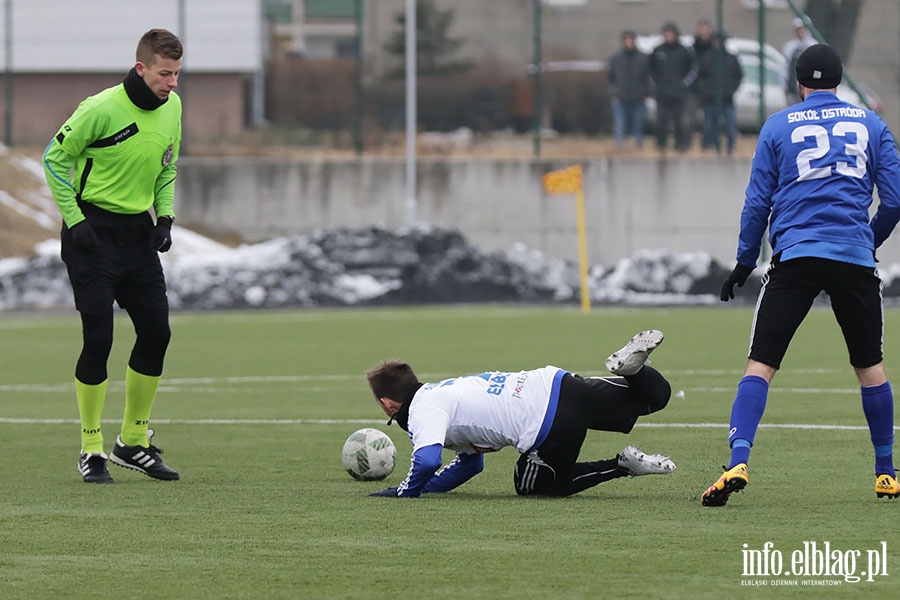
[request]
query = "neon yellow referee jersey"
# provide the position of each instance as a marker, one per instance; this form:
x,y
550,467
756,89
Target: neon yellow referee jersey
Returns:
x,y
115,155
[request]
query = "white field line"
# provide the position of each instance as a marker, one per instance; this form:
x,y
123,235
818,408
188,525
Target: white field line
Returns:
x,y
172,383
778,390
316,315
171,387
26,421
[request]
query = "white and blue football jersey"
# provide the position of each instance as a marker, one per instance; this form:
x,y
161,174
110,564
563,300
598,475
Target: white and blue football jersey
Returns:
x,y
483,413
472,415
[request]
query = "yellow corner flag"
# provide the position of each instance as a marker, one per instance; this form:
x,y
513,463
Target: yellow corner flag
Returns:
x,y
569,181
564,181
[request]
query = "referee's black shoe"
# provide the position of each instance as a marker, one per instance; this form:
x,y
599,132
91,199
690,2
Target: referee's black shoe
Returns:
x,y
144,459
92,467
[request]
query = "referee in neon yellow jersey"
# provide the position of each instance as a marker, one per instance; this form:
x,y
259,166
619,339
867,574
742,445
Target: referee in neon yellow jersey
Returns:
x,y
112,162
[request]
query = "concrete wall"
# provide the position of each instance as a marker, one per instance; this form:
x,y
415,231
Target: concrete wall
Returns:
x,y
680,204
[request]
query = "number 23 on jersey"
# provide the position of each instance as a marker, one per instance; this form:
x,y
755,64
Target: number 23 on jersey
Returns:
x,y
849,137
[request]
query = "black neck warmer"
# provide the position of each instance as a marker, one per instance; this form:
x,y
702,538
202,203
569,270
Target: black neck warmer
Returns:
x,y
402,415
138,92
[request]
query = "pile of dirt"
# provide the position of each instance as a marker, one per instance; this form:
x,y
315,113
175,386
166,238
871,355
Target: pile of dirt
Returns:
x,y
28,214
377,267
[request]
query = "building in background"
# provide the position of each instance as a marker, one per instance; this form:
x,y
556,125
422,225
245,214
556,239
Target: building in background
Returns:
x,y
313,29
63,51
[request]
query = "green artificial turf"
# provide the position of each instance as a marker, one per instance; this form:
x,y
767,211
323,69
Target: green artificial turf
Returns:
x,y
255,406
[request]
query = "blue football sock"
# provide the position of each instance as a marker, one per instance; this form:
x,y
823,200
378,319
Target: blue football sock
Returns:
x,y
740,452
746,413
884,460
878,406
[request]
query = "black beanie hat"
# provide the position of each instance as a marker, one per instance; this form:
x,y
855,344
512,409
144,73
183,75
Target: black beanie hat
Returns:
x,y
819,67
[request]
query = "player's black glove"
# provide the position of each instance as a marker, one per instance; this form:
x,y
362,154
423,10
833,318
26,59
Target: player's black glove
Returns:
x,y
390,492
84,236
161,238
738,276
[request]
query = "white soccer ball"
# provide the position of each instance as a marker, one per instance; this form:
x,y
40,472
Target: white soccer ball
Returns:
x,y
369,455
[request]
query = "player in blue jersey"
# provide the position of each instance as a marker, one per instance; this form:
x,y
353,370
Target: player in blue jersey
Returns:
x,y
543,413
813,175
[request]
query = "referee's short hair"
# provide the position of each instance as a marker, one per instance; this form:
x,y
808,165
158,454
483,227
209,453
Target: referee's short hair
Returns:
x,y
158,41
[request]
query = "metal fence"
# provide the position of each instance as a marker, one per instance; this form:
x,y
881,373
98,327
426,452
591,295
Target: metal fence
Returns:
x,y
336,66
476,58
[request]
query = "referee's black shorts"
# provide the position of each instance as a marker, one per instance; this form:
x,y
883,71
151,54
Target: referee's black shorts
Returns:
x,y
124,267
788,291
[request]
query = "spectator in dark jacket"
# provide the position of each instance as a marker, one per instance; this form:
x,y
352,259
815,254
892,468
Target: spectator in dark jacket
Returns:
x,y
719,76
629,78
673,69
703,31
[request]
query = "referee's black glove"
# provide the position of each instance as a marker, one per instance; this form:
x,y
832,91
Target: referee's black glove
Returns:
x,y
84,236
161,238
738,276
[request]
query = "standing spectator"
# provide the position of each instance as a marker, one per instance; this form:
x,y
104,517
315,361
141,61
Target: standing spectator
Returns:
x,y
703,32
792,51
629,78
718,79
815,169
673,68
703,37
109,164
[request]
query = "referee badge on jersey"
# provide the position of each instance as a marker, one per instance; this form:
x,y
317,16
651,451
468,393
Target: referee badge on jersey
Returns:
x,y
167,155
